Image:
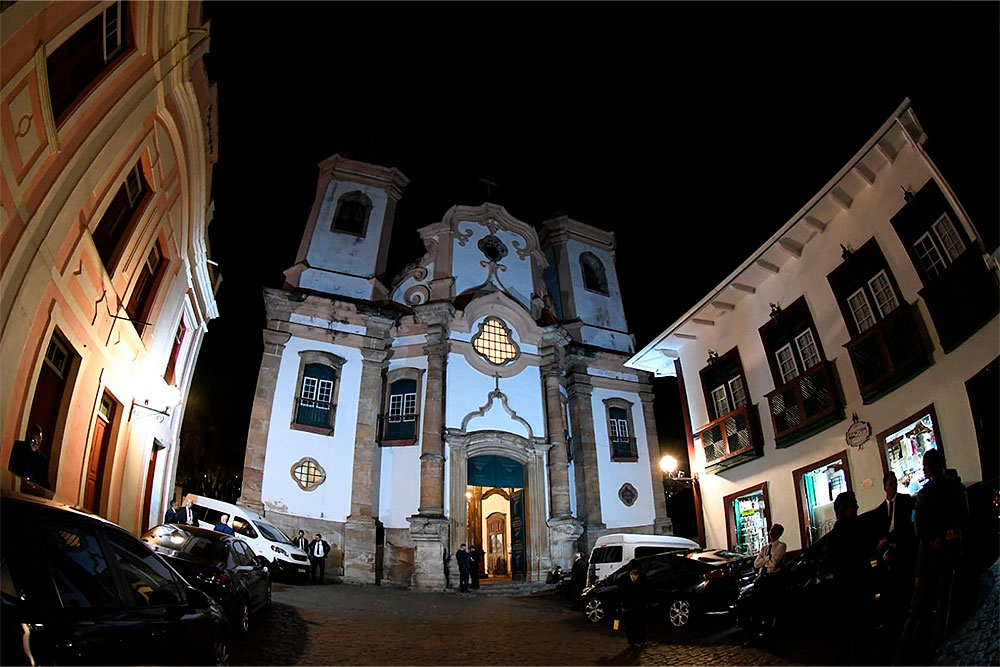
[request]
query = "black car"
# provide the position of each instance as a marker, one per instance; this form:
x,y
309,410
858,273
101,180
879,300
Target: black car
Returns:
x,y
805,582
221,565
683,584
77,589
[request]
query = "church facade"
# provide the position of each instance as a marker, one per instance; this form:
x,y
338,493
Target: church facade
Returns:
x,y
480,398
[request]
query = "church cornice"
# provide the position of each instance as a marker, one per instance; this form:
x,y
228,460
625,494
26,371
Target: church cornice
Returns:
x,y
494,217
389,179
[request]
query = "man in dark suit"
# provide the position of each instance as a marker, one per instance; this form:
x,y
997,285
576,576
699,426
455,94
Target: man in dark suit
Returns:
x,y
897,545
318,550
301,542
171,515
27,459
185,514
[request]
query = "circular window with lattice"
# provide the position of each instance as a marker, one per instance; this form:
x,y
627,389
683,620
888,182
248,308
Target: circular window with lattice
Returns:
x,y
308,473
495,342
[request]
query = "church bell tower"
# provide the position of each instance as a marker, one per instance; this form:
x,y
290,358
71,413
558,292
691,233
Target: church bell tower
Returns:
x,y
346,241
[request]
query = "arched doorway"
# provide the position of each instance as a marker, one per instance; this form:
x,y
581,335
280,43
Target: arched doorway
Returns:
x,y
496,522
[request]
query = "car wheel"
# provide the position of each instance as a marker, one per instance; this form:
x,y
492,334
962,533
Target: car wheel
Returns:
x,y
243,616
220,652
594,609
680,613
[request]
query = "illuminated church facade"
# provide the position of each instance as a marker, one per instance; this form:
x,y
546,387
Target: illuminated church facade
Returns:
x,y
479,398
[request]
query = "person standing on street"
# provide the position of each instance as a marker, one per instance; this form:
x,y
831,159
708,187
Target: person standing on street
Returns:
x,y
185,514
767,563
171,515
475,558
897,547
941,513
577,579
850,555
632,594
462,557
318,550
301,542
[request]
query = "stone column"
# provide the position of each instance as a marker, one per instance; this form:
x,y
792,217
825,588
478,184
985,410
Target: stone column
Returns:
x,y
662,523
588,484
429,527
458,482
260,418
539,557
564,529
359,530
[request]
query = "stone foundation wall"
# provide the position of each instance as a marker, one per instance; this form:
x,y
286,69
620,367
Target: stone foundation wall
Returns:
x,y
397,557
332,532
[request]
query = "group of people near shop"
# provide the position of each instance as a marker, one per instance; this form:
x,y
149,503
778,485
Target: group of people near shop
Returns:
x,y
919,540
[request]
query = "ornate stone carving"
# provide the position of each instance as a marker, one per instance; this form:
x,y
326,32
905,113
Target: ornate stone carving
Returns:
x,y
493,395
627,494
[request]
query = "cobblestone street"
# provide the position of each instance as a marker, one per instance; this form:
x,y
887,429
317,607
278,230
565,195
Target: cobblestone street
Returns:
x,y
361,625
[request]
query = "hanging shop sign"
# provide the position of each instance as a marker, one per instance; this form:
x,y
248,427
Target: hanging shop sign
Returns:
x,y
858,433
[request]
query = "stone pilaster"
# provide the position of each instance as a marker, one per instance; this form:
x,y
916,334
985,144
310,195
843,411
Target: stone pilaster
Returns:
x,y
558,463
539,556
359,531
588,484
662,523
430,523
260,417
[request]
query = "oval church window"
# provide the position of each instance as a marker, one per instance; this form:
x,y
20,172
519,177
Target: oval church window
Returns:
x,y
494,341
308,473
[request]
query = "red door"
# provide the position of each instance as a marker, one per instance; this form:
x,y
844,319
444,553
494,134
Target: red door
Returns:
x,y
97,465
148,495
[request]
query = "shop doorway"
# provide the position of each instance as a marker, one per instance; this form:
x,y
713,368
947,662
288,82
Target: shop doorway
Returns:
x,y
984,397
816,487
748,518
495,519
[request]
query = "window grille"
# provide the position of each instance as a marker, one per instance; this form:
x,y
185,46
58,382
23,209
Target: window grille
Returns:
x,y
495,343
308,474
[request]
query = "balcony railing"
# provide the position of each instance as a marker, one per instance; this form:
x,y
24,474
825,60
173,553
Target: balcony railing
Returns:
x,y
889,353
397,431
624,449
313,413
805,405
731,439
962,299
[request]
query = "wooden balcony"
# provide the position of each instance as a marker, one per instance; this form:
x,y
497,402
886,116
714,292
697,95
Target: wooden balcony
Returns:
x,y
962,299
806,405
889,353
732,439
399,431
314,416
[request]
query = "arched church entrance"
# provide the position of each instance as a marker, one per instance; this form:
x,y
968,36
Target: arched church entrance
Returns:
x,y
496,522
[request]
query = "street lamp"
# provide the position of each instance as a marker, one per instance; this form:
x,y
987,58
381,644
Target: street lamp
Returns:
x,y
668,465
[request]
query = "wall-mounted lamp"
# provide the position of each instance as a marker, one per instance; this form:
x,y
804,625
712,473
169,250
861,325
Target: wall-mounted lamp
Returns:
x,y
170,397
713,356
775,311
907,195
845,251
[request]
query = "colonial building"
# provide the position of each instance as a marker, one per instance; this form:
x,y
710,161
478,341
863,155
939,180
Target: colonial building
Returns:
x,y
108,140
479,398
863,333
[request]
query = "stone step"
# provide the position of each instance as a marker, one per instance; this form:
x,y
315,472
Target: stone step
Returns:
x,y
507,589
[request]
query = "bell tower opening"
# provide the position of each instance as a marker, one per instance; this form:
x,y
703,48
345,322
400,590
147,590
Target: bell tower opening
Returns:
x,y
497,525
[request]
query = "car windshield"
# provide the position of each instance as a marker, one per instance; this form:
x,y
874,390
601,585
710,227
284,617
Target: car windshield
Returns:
x,y
199,547
271,532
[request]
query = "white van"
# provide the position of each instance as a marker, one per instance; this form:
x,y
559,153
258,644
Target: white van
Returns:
x,y
613,551
264,537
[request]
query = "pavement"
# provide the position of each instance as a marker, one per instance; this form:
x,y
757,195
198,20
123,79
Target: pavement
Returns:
x,y
338,624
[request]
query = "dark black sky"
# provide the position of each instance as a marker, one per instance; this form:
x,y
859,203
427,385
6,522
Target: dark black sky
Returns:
x,y
693,131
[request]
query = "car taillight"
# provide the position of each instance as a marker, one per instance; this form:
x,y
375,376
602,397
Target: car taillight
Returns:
x,y
717,573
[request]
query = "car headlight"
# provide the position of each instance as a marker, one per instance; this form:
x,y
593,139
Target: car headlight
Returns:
x,y
279,550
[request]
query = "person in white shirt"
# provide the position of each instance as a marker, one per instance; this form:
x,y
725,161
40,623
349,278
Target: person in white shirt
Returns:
x,y
770,558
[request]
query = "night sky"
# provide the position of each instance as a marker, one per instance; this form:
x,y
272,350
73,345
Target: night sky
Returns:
x,y
693,131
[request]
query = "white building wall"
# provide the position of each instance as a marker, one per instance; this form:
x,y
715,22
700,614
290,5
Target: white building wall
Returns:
x,y
332,499
613,474
942,384
468,390
469,271
603,311
346,253
397,495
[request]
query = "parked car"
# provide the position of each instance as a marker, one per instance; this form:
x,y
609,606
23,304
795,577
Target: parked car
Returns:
x,y
680,584
77,589
218,564
265,539
612,551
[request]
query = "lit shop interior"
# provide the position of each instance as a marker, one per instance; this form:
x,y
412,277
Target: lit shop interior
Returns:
x,y
818,487
904,452
749,519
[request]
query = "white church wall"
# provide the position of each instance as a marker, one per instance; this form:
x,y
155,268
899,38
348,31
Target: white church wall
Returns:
x,y
335,453
613,474
468,391
397,495
593,308
341,252
469,272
